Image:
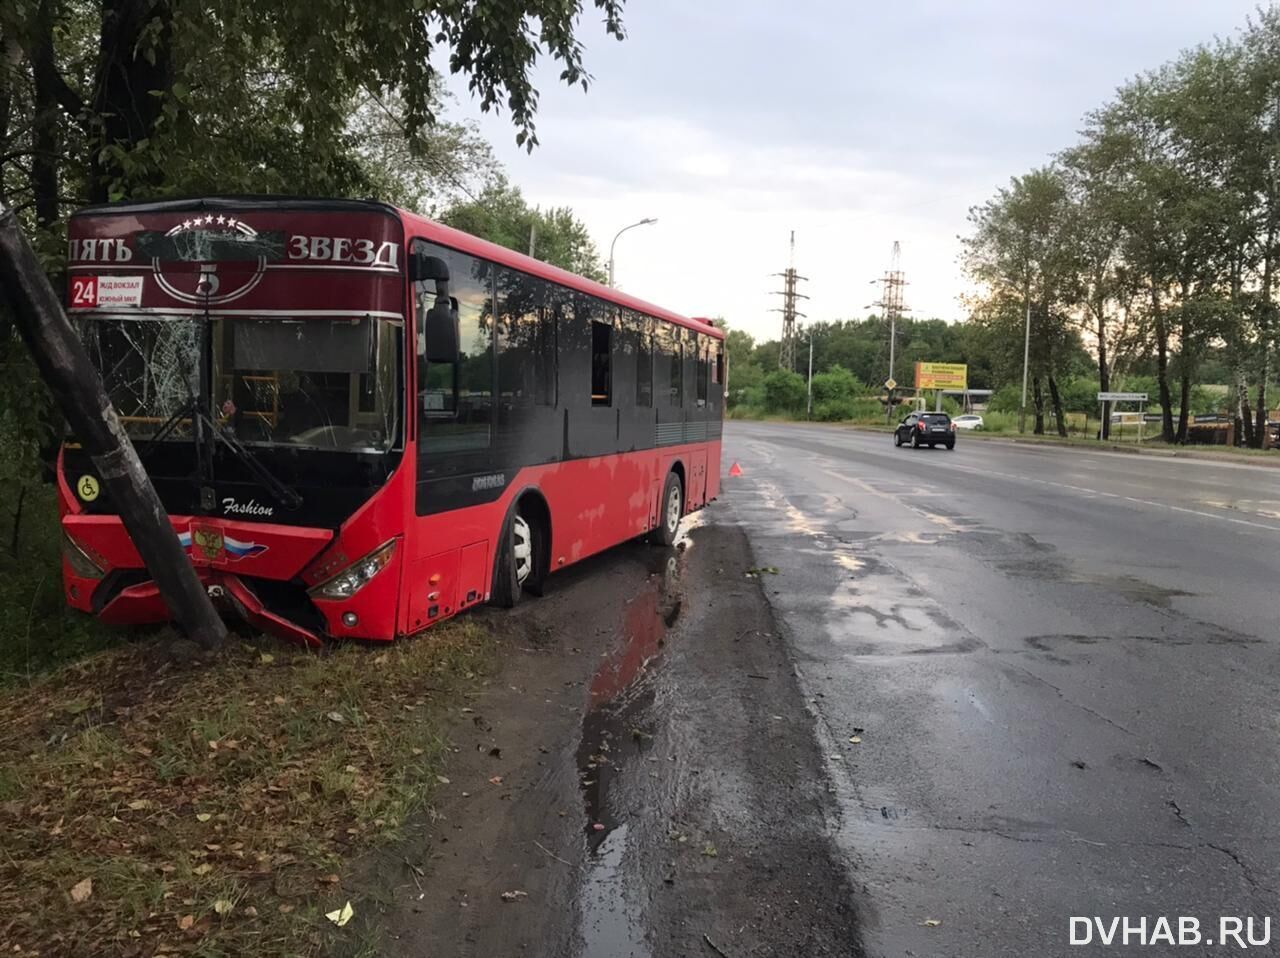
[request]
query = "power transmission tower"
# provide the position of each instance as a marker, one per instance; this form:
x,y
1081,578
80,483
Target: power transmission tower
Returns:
x,y
787,354
891,308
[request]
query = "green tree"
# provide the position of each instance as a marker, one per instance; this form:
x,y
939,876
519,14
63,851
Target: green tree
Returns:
x,y
784,392
501,215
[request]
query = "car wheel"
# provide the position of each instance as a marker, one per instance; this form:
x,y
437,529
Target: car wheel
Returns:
x,y
897,438
951,445
915,442
670,511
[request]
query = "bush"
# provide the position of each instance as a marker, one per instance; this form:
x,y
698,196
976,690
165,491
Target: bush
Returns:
x,y
835,410
1006,399
784,392
836,384
1000,422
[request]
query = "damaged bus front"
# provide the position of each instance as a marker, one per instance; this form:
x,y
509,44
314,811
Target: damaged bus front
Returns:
x,y
255,352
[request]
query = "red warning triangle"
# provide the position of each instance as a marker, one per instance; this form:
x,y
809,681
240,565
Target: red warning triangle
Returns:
x,y
735,470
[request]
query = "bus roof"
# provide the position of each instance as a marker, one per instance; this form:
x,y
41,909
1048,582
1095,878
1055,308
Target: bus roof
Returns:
x,y
415,225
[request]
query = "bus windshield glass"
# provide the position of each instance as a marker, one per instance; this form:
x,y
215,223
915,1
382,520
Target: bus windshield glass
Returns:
x,y
304,383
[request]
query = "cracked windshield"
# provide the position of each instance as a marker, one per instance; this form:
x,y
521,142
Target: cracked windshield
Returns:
x,y
620,479
308,383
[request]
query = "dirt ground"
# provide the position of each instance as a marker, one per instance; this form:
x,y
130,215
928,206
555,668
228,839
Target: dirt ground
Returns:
x,y
641,778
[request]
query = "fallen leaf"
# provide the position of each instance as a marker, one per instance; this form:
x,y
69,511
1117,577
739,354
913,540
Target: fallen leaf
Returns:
x,y
82,890
932,922
496,780
418,751
514,895
285,909
203,869
223,906
279,700
203,816
336,717
251,912
266,658
442,780
186,921
330,879
855,739
342,915
139,804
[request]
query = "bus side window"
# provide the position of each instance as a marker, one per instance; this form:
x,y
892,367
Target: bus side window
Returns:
x,y
526,340
640,328
456,399
717,370
601,363
675,358
704,370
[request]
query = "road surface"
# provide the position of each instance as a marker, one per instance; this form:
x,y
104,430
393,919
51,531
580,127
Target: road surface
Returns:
x,y
1062,667
878,702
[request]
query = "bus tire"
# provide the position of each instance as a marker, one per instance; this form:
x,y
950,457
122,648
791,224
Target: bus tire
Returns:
x,y
670,509
515,562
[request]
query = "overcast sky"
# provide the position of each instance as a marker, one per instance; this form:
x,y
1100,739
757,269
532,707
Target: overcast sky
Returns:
x,y
855,124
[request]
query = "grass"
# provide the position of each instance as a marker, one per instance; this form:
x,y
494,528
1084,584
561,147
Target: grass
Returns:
x,y
214,803
37,629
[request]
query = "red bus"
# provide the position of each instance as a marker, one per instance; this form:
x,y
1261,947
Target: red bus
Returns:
x,y
362,422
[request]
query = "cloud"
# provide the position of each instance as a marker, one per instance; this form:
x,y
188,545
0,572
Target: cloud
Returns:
x,y
735,122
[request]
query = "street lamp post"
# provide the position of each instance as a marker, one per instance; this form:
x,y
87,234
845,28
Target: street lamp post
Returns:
x,y
644,222
1026,357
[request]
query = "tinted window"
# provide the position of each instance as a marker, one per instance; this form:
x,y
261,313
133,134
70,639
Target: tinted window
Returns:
x,y
601,363
644,358
936,417
526,340
703,369
673,347
456,399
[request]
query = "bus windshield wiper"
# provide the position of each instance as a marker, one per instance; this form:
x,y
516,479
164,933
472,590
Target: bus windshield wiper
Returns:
x,y
286,495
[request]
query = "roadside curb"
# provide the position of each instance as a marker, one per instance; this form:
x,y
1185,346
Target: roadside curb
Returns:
x,y
1272,462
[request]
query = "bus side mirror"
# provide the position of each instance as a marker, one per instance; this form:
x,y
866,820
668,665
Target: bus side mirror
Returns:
x,y
441,328
428,269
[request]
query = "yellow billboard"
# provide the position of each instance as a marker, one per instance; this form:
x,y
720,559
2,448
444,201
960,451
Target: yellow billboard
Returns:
x,y
942,376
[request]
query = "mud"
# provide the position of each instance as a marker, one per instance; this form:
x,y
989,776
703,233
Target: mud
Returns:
x,y
662,791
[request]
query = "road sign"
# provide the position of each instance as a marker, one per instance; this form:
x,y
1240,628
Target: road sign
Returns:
x,y
891,383
1122,397
942,376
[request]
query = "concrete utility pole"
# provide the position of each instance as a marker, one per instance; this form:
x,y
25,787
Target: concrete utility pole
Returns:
x,y
787,352
644,222
76,385
891,308
809,414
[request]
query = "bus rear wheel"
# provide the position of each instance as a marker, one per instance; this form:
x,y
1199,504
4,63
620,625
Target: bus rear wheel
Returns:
x,y
670,511
520,564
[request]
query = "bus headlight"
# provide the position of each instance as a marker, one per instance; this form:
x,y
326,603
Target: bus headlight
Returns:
x,y
82,564
357,575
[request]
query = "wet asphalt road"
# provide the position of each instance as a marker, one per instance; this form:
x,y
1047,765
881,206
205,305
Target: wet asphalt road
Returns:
x,y
1064,667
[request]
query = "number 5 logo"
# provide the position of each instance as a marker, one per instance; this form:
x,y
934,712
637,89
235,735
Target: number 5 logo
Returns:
x,y
84,291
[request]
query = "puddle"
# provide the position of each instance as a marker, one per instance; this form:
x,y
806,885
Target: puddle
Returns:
x,y
618,729
611,923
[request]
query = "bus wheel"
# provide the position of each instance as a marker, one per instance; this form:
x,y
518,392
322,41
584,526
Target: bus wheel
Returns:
x,y
670,512
516,561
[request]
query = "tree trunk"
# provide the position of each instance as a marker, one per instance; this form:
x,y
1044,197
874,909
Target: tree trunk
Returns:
x,y
17,521
1037,397
66,369
135,77
1246,413
1162,363
44,133
1058,414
